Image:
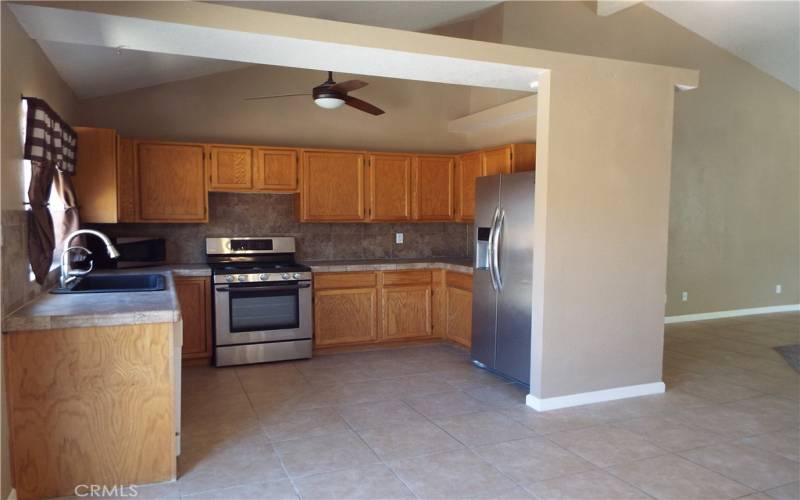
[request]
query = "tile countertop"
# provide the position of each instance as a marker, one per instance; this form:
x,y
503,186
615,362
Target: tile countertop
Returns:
x,y
457,265
49,311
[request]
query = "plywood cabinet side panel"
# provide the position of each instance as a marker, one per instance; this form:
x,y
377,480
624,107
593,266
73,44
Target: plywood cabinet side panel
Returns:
x,y
276,170
390,186
230,168
172,183
95,178
90,406
194,295
345,316
433,188
333,186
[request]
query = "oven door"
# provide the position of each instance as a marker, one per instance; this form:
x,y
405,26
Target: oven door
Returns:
x,y
262,312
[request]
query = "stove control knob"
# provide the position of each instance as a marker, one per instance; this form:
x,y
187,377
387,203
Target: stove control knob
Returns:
x,y
285,276
263,277
229,278
242,277
296,276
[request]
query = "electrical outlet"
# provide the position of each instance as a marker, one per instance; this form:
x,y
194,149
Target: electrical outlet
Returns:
x,y
398,238
778,289
685,296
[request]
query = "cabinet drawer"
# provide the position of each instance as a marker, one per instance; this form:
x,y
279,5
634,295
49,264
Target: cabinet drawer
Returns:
x,y
459,280
414,277
366,279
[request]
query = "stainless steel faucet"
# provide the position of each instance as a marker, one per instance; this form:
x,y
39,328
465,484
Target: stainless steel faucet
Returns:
x,y
67,273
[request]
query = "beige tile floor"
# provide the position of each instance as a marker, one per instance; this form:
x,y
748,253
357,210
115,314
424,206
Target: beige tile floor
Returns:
x,y
422,422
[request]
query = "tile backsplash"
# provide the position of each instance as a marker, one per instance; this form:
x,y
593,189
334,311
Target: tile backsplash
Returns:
x,y
255,214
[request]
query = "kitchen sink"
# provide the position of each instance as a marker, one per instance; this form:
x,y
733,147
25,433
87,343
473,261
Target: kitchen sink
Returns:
x,y
115,283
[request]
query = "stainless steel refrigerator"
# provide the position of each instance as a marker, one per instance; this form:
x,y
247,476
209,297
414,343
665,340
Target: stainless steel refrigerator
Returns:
x,y
502,284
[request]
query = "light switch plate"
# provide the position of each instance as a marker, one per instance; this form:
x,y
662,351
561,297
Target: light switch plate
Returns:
x,y
398,238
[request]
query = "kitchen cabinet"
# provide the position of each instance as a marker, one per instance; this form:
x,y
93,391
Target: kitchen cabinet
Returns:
x,y
194,295
345,308
406,303
230,168
468,168
275,170
509,159
334,186
171,182
458,305
372,307
432,179
104,177
390,187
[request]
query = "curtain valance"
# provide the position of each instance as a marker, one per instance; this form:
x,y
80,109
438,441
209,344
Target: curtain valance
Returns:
x,y
48,138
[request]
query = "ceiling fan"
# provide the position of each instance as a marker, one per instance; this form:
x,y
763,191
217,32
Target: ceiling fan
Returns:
x,y
332,95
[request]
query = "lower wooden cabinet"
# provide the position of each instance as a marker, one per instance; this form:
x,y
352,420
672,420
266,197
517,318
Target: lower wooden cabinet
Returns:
x,y
370,307
458,305
345,316
194,295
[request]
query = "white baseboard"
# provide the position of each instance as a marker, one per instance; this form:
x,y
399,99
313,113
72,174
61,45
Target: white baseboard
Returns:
x,y
731,314
585,398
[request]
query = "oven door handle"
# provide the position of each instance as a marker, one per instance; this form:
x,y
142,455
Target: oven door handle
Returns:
x,y
278,288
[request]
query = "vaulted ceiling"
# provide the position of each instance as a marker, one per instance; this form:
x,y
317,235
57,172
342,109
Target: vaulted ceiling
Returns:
x,y
764,33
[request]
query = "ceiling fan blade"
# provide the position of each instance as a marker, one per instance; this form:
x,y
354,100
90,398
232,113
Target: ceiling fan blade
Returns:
x,y
348,86
274,96
363,106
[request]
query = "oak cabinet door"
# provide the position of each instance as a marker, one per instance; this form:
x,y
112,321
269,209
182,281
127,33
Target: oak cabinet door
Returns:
x,y
126,182
95,178
468,169
276,170
406,312
345,316
194,295
231,168
172,182
433,187
497,161
459,316
390,187
333,186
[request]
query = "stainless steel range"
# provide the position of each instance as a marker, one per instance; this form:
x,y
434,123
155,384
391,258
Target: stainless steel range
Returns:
x,y
262,300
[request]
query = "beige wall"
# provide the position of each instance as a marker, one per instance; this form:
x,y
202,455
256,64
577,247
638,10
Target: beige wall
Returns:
x,y
212,108
25,70
734,213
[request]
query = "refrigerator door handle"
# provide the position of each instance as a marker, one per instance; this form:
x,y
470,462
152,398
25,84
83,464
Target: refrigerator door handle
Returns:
x,y
491,249
498,228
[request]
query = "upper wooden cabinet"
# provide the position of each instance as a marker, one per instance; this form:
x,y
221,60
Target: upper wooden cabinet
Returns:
x,y
230,168
276,170
468,168
171,182
333,186
390,187
509,159
433,188
104,179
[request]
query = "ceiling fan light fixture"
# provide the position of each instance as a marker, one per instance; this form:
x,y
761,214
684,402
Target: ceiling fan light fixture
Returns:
x,y
329,102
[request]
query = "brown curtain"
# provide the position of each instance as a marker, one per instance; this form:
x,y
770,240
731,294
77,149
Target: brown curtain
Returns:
x,y
50,145
41,239
63,184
